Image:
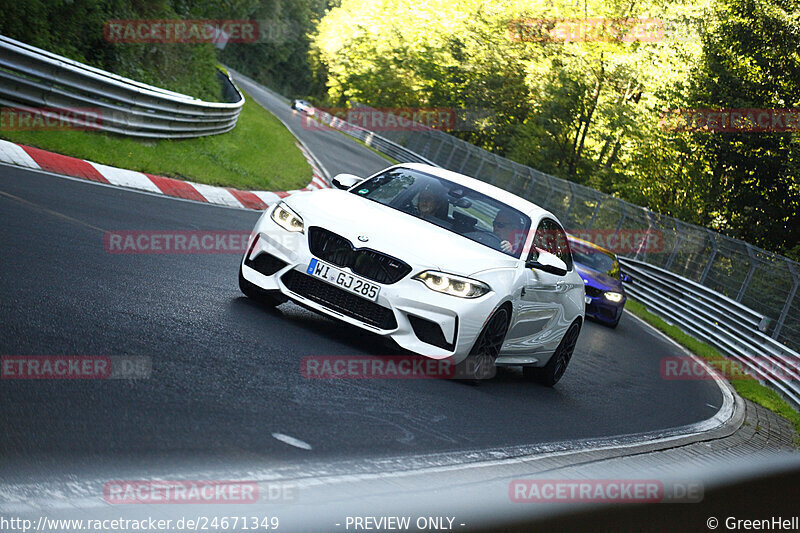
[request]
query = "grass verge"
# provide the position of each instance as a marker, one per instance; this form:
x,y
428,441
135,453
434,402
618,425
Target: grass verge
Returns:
x,y
258,154
747,388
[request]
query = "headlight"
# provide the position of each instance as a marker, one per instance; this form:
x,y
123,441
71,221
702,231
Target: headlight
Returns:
x,y
452,285
615,297
286,218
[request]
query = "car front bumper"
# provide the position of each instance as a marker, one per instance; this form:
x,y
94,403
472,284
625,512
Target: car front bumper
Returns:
x,y
417,318
601,309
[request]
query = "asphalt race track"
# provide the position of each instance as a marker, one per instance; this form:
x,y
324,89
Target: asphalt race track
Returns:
x,y
226,372
337,152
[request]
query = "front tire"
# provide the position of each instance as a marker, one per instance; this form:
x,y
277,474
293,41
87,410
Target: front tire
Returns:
x,y
479,364
254,292
552,372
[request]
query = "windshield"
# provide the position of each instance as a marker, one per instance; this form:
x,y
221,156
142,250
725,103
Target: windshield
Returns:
x,y
451,206
595,259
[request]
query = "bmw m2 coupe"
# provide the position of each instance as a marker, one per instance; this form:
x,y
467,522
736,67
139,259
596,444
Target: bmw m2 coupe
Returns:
x,y
445,265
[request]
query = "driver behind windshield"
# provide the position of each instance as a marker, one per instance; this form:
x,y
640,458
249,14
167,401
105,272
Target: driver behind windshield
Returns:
x,y
508,228
432,203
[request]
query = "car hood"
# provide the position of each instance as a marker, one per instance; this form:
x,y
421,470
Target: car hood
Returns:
x,y
598,279
417,242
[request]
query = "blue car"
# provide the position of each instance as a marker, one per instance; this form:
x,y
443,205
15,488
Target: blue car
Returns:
x,y
599,269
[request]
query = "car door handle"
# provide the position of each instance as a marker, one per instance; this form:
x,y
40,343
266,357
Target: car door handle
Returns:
x,y
539,287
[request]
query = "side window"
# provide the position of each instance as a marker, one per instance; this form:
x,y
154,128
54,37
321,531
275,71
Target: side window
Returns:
x,y
534,253
552,238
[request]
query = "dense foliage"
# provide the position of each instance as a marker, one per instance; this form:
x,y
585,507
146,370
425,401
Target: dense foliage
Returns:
x,y
590,111
280,58
74,28
586,111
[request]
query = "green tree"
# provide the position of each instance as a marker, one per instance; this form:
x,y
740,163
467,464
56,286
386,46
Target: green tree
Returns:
x,y
74,28
280,57
751,59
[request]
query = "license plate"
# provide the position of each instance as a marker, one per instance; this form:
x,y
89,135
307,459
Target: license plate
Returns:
x,y
342,279
587,299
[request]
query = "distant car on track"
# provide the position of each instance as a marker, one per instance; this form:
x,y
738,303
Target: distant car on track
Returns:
x,y
302,105
600,271
445,265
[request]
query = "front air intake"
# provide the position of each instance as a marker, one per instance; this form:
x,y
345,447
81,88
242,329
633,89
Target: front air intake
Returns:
x,y
371,264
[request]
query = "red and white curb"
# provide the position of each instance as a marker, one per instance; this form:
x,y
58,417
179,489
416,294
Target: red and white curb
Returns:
x,y
29,157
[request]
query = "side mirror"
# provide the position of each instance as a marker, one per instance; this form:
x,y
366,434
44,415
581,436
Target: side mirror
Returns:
x,y
548,262
345,181
625,278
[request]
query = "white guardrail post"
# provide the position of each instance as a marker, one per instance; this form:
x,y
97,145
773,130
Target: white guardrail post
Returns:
x,y
43,82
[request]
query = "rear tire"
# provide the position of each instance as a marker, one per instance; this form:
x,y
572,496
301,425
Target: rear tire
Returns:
x,y
551,373
254,292
479,364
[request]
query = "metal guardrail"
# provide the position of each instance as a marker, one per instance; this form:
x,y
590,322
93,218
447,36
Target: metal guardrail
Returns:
x,y
737,297
32,78
372,139
760,280
732,328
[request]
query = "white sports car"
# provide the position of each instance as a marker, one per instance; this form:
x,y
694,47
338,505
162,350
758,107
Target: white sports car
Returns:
x,y
445,265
